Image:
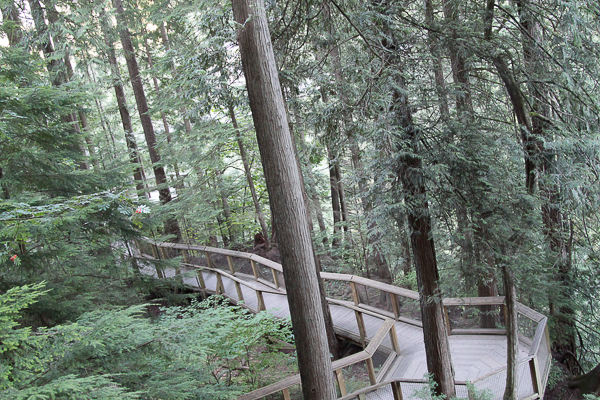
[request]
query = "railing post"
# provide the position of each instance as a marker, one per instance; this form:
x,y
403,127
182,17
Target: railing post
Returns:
x,y
163,254
200,279
220,289
361,328
209,263
341,383
155,251
186,256
286,394
395,307
238,289
505,312
261,301
354,294
230,263
275,278
371,371
254,270
447,318
394,339
397,390
535,375
156,255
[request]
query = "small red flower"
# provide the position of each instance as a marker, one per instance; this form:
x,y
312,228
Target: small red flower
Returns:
x,y
13,258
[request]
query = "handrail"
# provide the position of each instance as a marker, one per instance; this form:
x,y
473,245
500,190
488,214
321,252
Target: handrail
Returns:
x,y
365,355
360,309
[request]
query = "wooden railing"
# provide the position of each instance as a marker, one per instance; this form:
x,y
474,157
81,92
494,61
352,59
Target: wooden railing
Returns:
x,y
365,297
388,328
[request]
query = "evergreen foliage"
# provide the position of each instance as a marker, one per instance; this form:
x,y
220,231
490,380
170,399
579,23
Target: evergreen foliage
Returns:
x,y
201,351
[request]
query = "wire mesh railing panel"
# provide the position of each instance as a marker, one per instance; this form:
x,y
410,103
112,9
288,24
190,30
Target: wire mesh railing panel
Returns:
x,y
462,392
144,247
384,393
219,261
356,377
544,358
524,380
526,326
264,273
339,290
376,298
476,317
494,384
197,258
414,390
409,308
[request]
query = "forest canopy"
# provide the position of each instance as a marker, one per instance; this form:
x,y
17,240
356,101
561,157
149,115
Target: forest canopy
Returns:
x,y
461,132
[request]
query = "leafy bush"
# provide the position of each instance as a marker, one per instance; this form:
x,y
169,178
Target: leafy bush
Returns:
x,y
202,351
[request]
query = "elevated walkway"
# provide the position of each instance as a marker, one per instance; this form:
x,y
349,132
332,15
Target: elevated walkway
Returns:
x,y
383,318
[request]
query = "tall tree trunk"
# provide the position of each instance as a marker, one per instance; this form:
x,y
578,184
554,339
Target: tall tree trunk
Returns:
x,y
225,203
472,238
163,116
555,228
171,224
410,174
5,191
519,108
58,74
331,338
108,133
244,156
134,157
512,347
437,348
335,199
436,54
11,23
11,26
285,194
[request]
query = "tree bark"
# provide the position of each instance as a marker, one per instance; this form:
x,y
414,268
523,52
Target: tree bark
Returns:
x,y
57,72
244,156
410,173
134,157
163,116
335,199
512,349
171,224
11,24
285,195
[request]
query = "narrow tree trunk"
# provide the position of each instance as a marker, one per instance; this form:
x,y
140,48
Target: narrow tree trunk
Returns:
x,y
555,229
5,191
134,157
436,54
335,200
287,203
512,349
108,133
11,24
57,72
171,224
331,338
226,208
162,113
410,173
257,208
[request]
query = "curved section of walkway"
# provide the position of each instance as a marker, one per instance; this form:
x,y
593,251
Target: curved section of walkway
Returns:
x,y
478,355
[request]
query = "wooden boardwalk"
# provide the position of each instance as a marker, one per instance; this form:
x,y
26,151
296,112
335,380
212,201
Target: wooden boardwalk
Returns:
x,y
478,356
